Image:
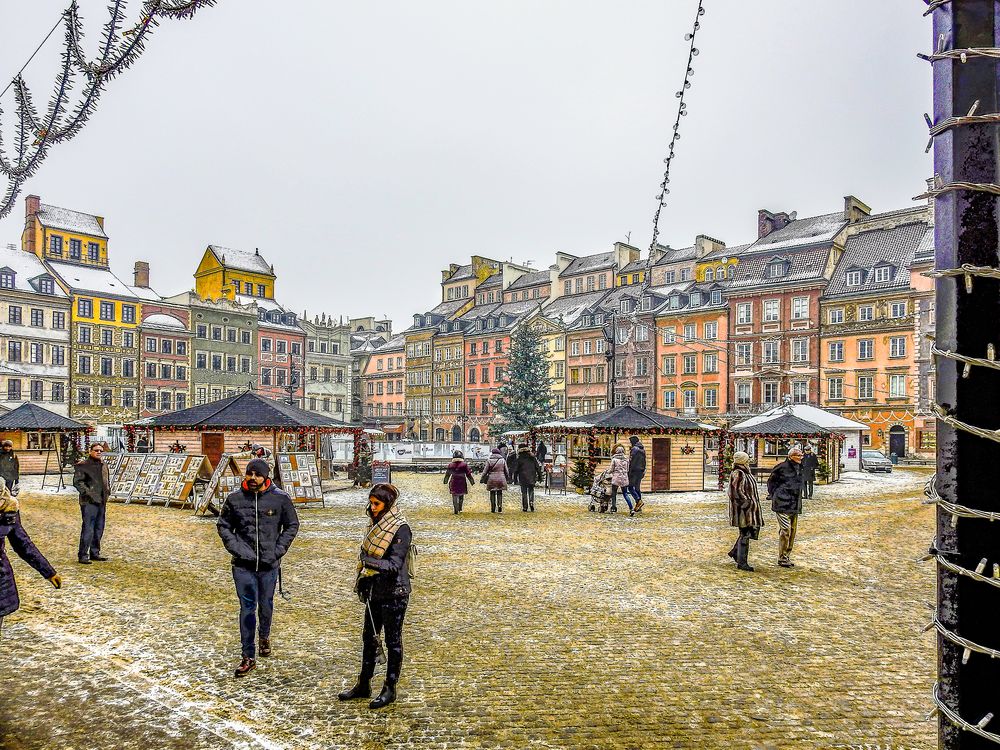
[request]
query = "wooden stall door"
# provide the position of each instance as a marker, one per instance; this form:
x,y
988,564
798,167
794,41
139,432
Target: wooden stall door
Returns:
x,y
212,446
661,464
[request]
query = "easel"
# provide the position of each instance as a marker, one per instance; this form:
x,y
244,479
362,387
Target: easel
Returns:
x,y
61,482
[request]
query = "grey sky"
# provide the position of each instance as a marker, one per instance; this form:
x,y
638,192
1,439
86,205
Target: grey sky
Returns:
x,y
363,146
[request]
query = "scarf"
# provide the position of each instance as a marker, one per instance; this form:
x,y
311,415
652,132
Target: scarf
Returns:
x,y
379,537
8,503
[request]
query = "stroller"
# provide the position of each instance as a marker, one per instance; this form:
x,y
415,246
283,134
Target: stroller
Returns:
x,y
600,492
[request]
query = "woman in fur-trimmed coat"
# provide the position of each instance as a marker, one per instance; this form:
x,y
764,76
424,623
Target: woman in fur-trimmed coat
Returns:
x,y
744,508
13,532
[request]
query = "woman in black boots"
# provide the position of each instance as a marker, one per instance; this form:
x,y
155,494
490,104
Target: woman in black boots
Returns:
x,y
383,584
744,509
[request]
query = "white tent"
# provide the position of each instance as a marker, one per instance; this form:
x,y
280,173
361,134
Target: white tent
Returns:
x,y
851,451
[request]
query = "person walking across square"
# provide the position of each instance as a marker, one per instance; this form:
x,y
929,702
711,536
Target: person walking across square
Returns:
x,y
636,472
495,476
458,477
784,489
744,509
809,465
527,473
257,524
91,480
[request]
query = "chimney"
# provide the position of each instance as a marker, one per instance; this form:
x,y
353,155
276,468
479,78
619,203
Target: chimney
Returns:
x,y
705,245
31,205
768,222
141,274
855,210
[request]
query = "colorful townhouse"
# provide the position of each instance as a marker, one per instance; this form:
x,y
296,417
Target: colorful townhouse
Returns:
x,y
34,333
869,345
327,366
165,353
384,388
774,301
420,364
692,350
367,335
448,414
105,313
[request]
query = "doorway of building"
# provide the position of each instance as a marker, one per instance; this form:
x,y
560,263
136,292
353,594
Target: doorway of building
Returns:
x,y
212,446
661,465
897,440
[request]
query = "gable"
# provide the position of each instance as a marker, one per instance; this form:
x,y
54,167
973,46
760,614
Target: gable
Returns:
x,y
209,262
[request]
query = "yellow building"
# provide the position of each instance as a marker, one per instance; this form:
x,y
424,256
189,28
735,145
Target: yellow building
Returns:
x,y
105,313
228,273
553,338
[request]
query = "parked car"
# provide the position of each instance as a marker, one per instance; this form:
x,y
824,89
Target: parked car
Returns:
x,y
872,461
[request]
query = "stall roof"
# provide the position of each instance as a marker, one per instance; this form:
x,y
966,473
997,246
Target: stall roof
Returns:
x,y
813,414
625,418
33,417
781,424
247,409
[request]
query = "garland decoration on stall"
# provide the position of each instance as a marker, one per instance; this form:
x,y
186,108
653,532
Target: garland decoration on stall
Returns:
x,y
35,134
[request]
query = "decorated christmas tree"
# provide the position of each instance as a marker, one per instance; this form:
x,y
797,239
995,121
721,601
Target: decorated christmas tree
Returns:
x,y
583,473
525,397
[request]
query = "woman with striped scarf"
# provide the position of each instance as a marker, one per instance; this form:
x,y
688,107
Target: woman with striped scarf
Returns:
x,y
383,584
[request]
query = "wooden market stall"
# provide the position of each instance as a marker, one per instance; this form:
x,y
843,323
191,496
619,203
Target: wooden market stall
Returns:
x,y
41,437
675,448
768,443
227,429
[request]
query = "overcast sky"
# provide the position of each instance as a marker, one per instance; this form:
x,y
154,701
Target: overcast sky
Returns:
x,y
364,146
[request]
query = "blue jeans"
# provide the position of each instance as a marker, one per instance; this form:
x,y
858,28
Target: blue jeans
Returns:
x,y
256,592
632,489
91,530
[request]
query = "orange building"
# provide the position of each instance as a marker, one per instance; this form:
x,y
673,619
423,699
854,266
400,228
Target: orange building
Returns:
x,y
383,388
868,351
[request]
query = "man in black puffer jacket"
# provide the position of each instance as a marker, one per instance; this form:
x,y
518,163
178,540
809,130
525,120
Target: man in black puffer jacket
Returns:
x,y
784,489
257,525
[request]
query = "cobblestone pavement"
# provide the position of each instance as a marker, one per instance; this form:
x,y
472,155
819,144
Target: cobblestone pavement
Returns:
x,y
559,629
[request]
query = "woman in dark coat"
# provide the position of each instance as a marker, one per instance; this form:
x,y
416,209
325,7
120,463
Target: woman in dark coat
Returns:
x,y
383,584
744,509
495,476
12,531
458,477
527,473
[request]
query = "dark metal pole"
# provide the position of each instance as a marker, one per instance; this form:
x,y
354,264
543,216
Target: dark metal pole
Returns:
x,y
966,232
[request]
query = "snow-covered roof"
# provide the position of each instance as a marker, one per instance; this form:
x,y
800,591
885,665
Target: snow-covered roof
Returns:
x,y
97,280
69,221
269,305
161,320
813,414
26,267
241,259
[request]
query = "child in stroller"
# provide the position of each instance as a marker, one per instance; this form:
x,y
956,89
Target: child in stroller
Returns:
x,y
600,492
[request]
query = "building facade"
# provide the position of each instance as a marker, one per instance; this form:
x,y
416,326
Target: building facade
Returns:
x,y
34,334
383,386
328,366
165,359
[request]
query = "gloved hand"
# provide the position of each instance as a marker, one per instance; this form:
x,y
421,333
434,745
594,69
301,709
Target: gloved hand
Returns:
x,y
56,581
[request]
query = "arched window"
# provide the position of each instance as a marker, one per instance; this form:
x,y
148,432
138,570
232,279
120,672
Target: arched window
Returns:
x,y
474,435
709,274
456,434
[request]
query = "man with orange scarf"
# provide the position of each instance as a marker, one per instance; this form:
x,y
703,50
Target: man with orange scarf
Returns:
x,y
257,525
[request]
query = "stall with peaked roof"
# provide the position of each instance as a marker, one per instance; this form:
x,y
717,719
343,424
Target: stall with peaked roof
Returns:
x,y
41,438
675,448
231,425
768,442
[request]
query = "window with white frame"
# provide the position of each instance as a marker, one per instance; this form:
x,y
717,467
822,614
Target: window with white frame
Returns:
x,y
866,312
897,310
800,307
690,332
744,313
897,346
743,394
866,349
770,392
669,334
770,352
690,364
669,366
897,386
836,315
800,391
836,351
574,349
588,346
771,310
800,350
866,387
711,398
642,366
743,354
599,346
711,362
642,332
670,399
835,388
711,330
855,278
690,398
883,273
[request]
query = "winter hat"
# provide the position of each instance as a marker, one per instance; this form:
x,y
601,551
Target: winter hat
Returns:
x,y
634,439
741,458
260,466
619,448
458,454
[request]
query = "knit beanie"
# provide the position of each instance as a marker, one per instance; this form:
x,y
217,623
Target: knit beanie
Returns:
x,y
260,466
741,458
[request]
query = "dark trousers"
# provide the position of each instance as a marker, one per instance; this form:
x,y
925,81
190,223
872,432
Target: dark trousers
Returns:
x,y
633,490
807,487
614,497
741,550
91,530
456,502
387,615
528,497
256,592
496,501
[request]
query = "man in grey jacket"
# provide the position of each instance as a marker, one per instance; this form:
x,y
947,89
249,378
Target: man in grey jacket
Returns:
x,y
257,525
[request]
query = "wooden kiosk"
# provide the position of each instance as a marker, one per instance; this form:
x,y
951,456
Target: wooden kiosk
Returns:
x,y
768,443
40,438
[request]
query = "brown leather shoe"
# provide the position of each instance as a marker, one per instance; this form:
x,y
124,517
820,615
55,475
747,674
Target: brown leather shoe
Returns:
x,y
246,667
264,647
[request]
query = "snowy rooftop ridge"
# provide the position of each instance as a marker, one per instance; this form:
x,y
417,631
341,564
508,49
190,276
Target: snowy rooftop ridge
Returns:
x,y
68,220
26,266
241,260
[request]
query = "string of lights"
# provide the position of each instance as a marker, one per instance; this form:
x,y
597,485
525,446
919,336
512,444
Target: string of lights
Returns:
x,y
35,134
964,273
681,112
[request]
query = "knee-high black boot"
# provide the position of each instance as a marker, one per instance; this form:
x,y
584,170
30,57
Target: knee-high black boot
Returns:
x,y
743,551
493,501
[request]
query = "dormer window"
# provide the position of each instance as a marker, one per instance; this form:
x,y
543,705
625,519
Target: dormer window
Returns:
x,y
883,273
6,278
695,299
855,278
626,305
716,296
776,269
262,315
599,319
675,302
